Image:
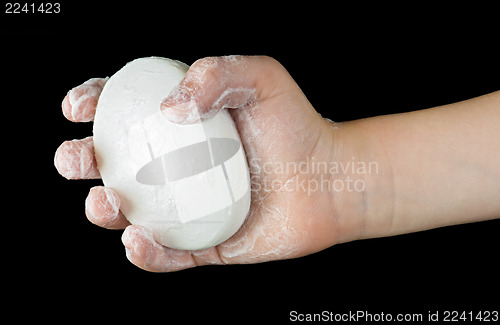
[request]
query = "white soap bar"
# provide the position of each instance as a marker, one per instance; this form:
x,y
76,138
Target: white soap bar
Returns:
x,y
188,184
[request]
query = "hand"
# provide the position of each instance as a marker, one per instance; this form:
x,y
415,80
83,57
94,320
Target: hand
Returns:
x,y
278,127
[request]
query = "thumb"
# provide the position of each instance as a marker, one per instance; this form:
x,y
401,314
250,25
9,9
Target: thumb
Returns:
x,y
214,83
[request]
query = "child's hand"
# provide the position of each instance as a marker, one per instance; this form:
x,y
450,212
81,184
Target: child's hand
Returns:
x,y
278,127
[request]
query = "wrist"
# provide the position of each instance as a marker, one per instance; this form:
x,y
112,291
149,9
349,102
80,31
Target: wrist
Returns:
x,y
363,191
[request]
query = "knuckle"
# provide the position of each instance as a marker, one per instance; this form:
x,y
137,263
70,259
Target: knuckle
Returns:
x,y
203,69
273,64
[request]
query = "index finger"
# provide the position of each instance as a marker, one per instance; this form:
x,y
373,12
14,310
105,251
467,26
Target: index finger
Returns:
x,y
80,103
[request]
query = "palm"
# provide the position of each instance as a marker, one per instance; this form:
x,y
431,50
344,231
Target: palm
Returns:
x,y
278,135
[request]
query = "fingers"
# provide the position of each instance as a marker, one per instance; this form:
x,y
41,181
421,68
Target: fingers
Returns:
x,y
75,159
224,82
80,103
143,251
102,208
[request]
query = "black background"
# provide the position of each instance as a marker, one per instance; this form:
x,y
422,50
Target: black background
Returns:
x,y
351,62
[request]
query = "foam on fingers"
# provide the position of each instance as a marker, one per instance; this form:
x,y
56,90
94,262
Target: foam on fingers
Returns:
x,y
102,208
75,159
80,103
143,251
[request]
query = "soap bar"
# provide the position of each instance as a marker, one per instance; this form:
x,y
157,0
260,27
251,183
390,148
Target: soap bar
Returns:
x,y
188,184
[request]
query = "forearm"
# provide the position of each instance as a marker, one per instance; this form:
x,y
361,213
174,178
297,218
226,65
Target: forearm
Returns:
x,y
437,167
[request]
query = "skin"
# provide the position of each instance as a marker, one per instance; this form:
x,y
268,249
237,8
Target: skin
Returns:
x,y
434,167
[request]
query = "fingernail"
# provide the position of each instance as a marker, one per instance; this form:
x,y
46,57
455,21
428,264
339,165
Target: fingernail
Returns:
x,y
177,97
